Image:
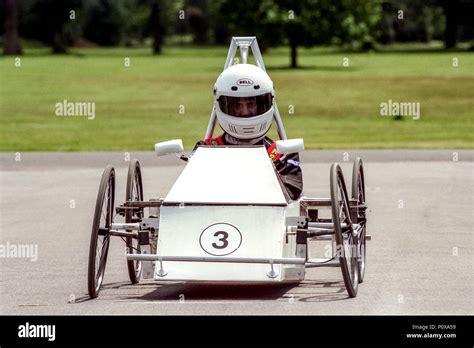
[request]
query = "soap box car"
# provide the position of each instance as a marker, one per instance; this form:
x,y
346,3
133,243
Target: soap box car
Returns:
x,y
226,221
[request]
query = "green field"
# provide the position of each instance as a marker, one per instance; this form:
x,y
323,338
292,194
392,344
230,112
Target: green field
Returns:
x,y
335,107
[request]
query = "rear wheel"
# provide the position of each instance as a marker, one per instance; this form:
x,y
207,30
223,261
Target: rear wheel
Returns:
x,y
346,244
134,192
100,237
359,214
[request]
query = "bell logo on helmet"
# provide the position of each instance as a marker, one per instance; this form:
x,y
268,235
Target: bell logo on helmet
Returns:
x,y
244,82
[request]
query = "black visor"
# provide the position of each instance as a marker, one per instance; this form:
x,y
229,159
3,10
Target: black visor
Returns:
x,y
245,106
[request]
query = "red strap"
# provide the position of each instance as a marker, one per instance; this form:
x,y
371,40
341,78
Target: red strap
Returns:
x,y
213,141
272,152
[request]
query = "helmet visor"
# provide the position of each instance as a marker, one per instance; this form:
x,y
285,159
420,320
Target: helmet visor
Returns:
x,y
245,106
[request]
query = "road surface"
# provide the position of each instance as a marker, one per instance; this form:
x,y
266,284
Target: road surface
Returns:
x,y
420,259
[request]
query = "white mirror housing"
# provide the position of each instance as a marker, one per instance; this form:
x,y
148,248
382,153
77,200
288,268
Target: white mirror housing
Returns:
x,y
169,147
290,145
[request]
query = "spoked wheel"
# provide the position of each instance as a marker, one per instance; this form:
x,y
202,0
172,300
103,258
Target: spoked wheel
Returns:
x,y
358,214
134,192
100,237
345,237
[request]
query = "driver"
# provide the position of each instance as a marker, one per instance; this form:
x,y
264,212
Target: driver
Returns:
x,y
243,99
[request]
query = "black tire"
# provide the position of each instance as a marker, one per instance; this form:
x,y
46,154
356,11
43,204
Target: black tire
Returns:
x,y
103,218
359,215
134,192
345,238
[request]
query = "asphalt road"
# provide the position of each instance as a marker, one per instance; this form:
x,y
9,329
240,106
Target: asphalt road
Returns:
x,y
420,259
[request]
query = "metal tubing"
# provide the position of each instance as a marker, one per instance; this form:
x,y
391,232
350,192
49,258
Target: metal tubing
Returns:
x,y
322,202
257,54
244,53
148,257
134,226
212,123
329,225
230,54
123,234
324,237
322,263
318,233
278,122
143,204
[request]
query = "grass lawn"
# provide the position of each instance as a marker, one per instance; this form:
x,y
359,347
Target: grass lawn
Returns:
x,y
335,107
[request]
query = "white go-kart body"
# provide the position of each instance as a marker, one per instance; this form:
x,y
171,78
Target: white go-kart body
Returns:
x,y
227,205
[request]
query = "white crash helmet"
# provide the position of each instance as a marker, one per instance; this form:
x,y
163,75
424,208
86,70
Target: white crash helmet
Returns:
x,y
244,101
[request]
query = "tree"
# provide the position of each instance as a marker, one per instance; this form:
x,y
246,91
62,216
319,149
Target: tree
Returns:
x,y
197,14
303,22
12,40
137,13
411,20
459,21
104,22
248,18
345,22
50,21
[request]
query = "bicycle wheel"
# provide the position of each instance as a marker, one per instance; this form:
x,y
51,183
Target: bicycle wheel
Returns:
x,y
346,244
100,237
134,192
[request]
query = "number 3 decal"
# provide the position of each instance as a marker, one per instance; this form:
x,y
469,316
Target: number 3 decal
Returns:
x,y
223,238
220,239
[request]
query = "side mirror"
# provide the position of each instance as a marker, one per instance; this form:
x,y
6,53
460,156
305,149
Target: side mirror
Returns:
x,y
169,147
290,145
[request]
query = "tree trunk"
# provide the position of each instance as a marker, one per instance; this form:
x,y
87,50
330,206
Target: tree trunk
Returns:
x,y
450,34
294,53
293,32
58,44
157,27
11,44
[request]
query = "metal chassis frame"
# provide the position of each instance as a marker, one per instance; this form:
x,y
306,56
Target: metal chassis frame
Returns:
x,y
315,231
244,43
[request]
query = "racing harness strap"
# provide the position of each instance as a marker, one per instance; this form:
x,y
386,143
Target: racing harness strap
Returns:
x,y
272,152
214,141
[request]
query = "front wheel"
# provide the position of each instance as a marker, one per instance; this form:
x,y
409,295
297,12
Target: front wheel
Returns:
x,y
359,213
346,242
100,237
134,192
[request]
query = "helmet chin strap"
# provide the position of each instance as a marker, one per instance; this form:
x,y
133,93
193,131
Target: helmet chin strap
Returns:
x,y
235,141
